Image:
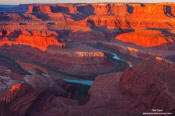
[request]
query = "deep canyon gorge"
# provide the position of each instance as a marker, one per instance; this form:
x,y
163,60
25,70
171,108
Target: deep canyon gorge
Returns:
x,y
98,59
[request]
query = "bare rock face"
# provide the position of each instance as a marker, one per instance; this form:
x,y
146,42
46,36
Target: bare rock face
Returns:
x,y
39,9
103,90
50,105
110,15
151,83
54,8
105,98
105,93
87,36
145,38
81,19
9,75
34,41
131,93
137,15
17,100
146,86
74,60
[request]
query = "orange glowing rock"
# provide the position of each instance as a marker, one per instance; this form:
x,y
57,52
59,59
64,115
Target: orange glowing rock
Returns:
x,y
132,49
95,54
123,15
71,8
52,8
39,42
159,58
145,38
15,87
38,9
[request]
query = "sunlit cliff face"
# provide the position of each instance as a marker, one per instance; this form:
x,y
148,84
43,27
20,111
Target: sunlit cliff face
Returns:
x,y
39,42
82,18
116,16
132,49
90,54
145,38
39,39
159,58
15,87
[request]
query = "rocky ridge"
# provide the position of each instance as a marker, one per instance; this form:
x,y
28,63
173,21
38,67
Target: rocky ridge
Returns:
x,y
111,94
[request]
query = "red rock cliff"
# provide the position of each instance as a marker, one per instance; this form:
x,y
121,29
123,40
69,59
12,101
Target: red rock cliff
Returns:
x,y
152,83
145,38
39,42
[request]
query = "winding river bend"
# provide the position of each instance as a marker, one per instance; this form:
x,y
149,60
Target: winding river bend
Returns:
x,y
90,82
122,60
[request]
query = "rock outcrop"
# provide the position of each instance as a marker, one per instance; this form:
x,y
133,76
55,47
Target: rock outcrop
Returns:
x,y
152,83
41,43
106,97
83,18
145,38
78,59
112,15
39,9
87,36
138,15
74,60
146,86
18,99
90,19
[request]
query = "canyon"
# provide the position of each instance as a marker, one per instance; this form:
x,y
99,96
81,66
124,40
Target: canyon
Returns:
x,y
87,59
